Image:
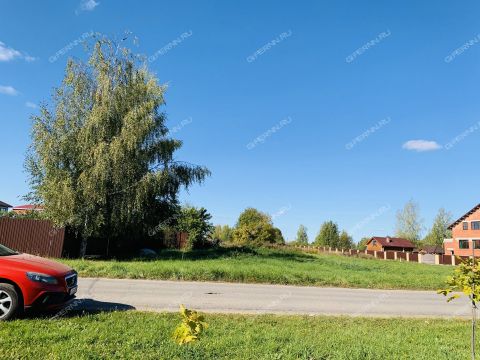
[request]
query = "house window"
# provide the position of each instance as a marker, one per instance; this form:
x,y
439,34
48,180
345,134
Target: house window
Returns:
x,y
374,242
476,244
475,225
465,225
463,244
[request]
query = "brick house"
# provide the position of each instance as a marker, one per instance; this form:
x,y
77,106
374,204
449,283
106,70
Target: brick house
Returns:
x,y
388,243
465,235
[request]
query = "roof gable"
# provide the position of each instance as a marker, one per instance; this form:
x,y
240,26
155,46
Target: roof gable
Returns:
x,y
4,205
464,217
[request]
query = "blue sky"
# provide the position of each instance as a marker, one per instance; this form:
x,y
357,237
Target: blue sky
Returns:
x,y
308,110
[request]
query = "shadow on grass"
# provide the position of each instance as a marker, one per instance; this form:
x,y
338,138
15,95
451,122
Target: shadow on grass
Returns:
x,y
78,307
223,252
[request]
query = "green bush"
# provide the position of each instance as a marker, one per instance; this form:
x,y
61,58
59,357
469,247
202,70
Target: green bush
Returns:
x,y
196,222
256,228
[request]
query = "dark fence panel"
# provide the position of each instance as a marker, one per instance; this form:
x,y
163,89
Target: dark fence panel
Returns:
x,y
371,252
36,237
401,255
174,240
414,257
380,254
446,259
390,255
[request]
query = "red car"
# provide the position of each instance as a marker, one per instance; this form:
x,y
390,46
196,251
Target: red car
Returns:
x,y
28,281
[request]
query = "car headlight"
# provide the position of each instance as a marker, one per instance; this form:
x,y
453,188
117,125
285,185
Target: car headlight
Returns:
x,y
43,278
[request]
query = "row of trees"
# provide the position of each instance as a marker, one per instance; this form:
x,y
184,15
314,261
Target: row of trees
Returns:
x,y
329,235
255,228
410,225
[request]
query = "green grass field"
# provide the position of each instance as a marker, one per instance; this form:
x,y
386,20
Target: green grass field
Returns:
x,y
271,266
136,335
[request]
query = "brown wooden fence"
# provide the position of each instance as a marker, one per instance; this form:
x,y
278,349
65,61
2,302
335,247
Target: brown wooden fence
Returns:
x,y
446,259
36,237
434,259
390,255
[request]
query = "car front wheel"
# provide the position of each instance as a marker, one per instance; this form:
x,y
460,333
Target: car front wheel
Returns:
x,y
8,301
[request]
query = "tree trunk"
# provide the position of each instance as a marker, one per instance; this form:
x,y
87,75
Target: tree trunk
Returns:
x,y
83,247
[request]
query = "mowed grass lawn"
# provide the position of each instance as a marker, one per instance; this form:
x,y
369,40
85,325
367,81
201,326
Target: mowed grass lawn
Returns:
x,y
136,335
274,266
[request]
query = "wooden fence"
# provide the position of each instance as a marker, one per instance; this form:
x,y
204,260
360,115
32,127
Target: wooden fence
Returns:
x,y
40,237
387,255
36,237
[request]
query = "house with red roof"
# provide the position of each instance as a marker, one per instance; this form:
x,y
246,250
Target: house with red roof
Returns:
x,y
23,209
388,243
465,239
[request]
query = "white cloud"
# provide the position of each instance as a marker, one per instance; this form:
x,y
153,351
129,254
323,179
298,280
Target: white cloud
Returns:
x,y
31,105
87,5
8,90
29,58
7,54
421,145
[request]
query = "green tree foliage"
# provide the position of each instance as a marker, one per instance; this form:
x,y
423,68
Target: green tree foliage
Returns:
x,y
34,215
362,244
302,237
223,233
345,241
328,235
101,159
256,228
195,222
279,239
409,223
439,230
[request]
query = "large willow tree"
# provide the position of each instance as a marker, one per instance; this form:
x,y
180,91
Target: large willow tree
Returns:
x,y
101,159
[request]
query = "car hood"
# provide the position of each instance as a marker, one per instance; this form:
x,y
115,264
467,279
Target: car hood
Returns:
x,y
34,264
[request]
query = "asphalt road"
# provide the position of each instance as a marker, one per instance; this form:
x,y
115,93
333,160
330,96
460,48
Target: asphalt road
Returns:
x,y
108,294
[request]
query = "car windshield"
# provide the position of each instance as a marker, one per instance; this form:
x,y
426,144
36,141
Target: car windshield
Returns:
x,y
4,251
